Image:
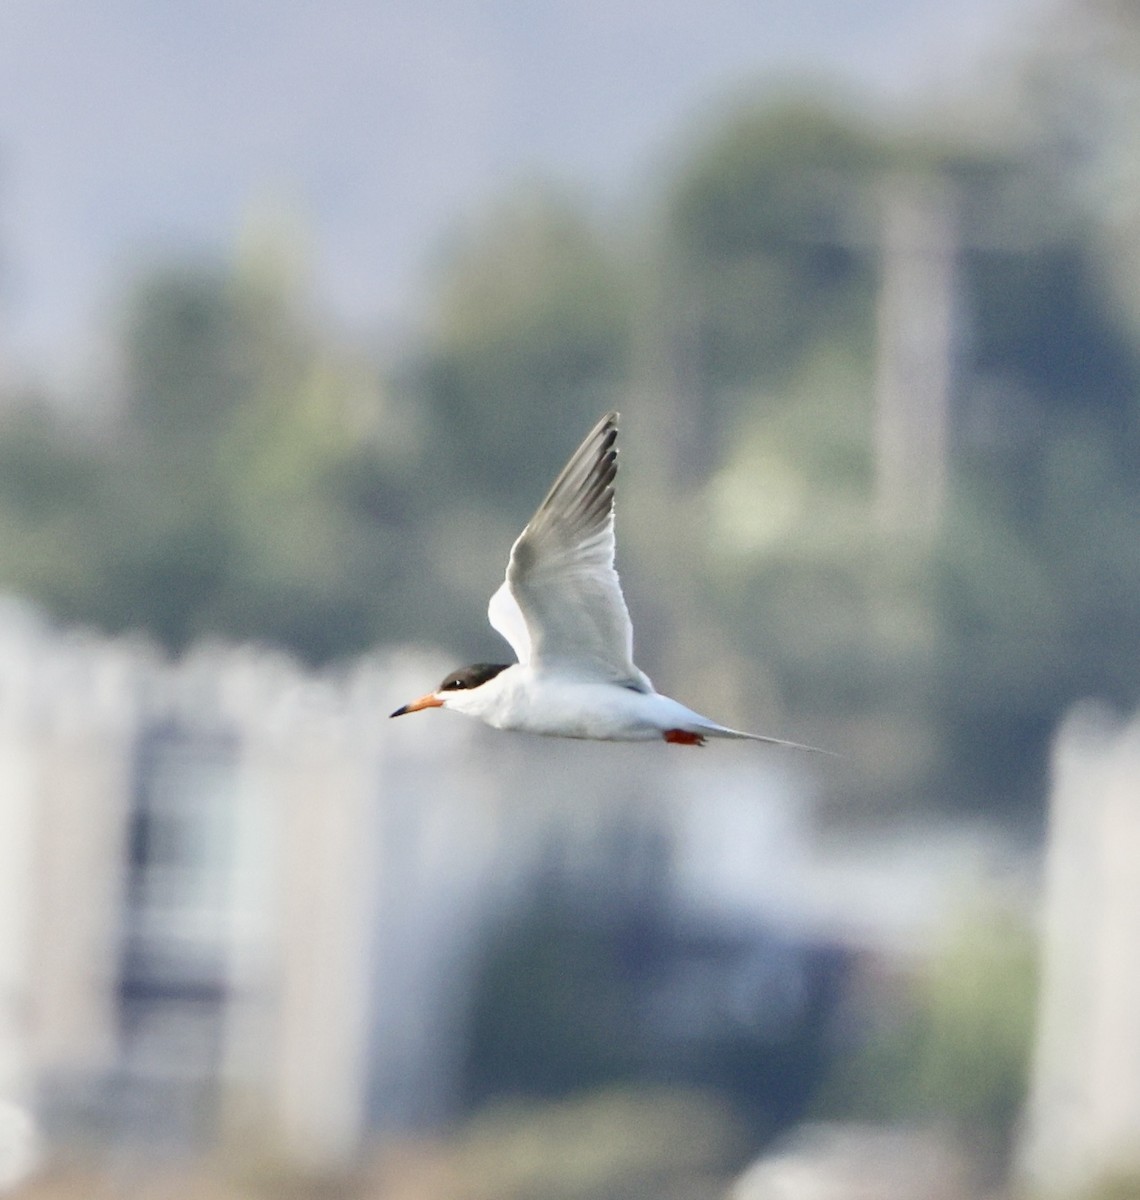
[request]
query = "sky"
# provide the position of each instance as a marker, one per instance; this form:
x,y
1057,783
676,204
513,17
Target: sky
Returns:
x,y
142,131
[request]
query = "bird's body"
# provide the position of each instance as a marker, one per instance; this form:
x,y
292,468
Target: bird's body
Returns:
x,y
562,611
559,705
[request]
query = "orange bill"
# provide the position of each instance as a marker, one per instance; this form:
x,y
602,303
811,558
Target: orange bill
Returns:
x,y
431,700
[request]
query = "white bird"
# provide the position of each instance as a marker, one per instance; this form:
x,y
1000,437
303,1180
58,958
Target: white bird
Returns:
x,y
562,610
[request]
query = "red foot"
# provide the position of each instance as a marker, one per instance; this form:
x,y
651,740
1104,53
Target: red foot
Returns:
x,y
682,737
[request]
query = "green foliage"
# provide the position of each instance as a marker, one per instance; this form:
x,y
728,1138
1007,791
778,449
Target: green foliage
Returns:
x,y
954,656
957,1045
48,488
243,493
531,339
1044,318
188,356
770,229
784,178
979,1000
611,1144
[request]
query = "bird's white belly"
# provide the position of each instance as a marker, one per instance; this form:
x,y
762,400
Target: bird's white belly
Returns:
x,y
563,708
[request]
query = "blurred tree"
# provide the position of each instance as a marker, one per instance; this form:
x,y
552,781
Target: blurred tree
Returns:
x,y
946,664
980,1001
840,624
955,1045
613,1144
188,359
245,494
49,487
313,495
773,225
1036,576
530,345
768,247
217,373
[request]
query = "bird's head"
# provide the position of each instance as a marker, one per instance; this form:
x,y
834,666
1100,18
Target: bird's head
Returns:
x,y
455,689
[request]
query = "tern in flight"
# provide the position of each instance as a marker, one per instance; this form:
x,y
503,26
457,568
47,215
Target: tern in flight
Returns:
x,y
562,611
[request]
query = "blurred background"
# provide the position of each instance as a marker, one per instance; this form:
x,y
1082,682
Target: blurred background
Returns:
x,y
301,309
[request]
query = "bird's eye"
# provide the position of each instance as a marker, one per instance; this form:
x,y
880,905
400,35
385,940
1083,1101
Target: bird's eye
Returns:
x,y
451,685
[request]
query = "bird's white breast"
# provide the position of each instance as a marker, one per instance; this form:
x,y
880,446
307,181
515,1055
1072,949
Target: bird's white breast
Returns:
x,y
563,706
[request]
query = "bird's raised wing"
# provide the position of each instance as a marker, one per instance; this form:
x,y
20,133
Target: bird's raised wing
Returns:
x,y
561,604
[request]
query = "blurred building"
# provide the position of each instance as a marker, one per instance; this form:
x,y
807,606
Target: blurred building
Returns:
x,y
1083,1118
186,848
241,906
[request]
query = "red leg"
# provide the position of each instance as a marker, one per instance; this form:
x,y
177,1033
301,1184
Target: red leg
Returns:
x,y
682,737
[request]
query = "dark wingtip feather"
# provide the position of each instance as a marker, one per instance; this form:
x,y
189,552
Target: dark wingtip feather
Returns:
x,y
591,472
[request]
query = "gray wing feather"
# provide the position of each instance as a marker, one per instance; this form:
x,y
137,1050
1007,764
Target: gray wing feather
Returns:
x,y
561,578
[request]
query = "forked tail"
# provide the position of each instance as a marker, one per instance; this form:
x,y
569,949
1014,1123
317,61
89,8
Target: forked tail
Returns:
x,y
696,737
